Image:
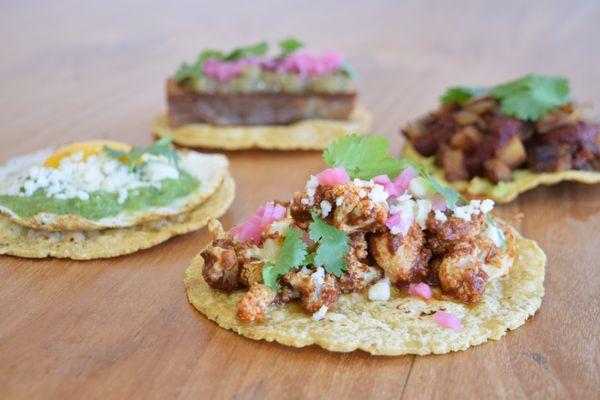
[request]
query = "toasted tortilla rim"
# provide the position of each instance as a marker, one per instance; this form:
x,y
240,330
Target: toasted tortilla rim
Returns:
x,y
314,134
18,241
403,325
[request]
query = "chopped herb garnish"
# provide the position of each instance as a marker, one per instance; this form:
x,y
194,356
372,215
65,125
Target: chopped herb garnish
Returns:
x,y
528,98
450,195
332,246
256,50
363,157
461,95
291,255
133,157
289,45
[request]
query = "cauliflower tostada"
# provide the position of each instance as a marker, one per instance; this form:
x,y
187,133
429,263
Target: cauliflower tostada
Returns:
x,y
373,254
103,199
503,141
246,99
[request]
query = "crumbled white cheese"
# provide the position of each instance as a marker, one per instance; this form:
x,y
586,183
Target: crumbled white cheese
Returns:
x,y
318,276
304,202
75,177
311,188
325,208
440,216
423,209
378,194
339,201
487,205
380,291
319,315
361,183
362,193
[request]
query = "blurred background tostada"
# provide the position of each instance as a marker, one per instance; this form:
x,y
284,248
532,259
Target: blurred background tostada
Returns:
x,y
504,140
372,254
285,99
103,199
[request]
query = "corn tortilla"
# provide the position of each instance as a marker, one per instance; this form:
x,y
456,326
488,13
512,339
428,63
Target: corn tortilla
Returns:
x,y
19,241
502,192
312,134
402,325
209,169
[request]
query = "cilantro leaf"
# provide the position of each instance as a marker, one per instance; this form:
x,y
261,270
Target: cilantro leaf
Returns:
x,y
291,255
133,157
194,72
332,246
289,45
461,94
363,157
257,50
531,97
450,195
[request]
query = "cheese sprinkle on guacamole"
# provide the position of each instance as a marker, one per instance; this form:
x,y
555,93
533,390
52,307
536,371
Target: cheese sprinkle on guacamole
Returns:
x,y
98,186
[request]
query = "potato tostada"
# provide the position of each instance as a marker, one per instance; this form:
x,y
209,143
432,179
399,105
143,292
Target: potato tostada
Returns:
x,y
103,199
373,254
499,142
248,99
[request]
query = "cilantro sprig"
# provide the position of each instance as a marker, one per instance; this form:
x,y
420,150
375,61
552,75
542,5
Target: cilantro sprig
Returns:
x,y
289,45
291,255
365,157
133,157
528,98
332,246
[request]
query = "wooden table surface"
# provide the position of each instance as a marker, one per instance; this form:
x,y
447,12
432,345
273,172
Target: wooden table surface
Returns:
x,y
123,328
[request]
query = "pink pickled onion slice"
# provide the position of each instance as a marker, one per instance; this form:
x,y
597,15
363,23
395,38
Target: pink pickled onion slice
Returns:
x,y
401,222
254,226
304,63
420,289
403,180
333,176
439,203
447,320
382,179
249,229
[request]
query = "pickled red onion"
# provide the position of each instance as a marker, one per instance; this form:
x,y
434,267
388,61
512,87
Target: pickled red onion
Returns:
x,y
447,320
420,289
400,222
333,176
253,227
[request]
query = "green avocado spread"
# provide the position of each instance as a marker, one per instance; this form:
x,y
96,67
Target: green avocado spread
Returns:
x,y
103,204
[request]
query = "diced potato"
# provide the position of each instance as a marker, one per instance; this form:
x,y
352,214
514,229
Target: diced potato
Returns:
x,y
467,138
513,154
496,170
465,117
453,163
481,105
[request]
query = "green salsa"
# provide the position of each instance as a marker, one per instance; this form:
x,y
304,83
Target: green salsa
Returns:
x,y
103,204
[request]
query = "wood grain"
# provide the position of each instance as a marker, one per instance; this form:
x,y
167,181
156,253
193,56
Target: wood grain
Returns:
x,y
122,328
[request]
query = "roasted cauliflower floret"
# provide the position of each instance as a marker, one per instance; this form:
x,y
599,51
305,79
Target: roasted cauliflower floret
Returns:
x,y
402,258
445,234
462,273
221,265
349,207
316,287
253,305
